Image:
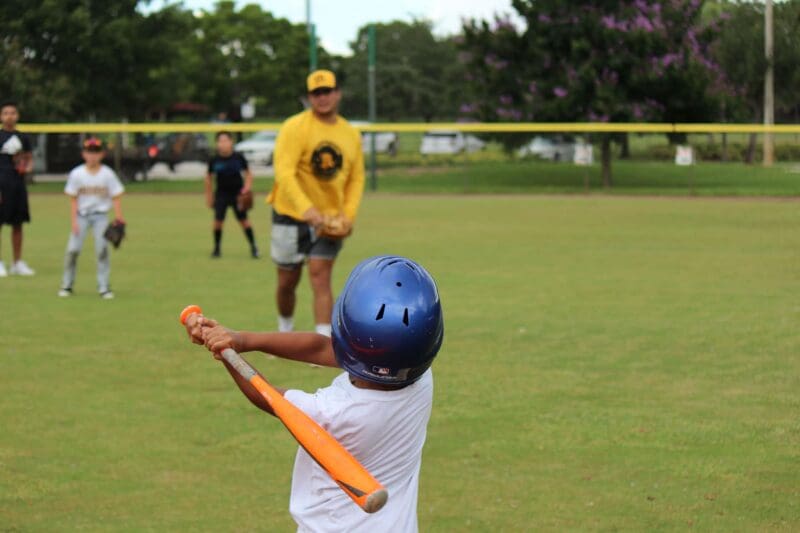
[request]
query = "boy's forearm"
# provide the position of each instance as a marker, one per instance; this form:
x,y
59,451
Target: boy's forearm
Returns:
x,y
306,347
250,391
117,208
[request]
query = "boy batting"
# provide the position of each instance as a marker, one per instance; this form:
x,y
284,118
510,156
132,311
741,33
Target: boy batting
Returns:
x,y
387,328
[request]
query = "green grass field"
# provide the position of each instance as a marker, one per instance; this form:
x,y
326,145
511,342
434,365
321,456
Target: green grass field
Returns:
x,y
610,363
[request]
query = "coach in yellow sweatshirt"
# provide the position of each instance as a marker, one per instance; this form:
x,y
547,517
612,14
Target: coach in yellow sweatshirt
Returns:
x,y
319,171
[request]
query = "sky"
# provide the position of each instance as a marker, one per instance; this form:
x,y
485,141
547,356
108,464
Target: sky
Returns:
x,y
337,21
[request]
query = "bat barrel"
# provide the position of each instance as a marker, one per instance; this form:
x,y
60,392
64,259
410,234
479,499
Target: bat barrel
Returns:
x,y
376,501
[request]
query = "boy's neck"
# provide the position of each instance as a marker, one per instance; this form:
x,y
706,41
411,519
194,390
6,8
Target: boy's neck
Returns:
x,y
11,127
93,168
364,384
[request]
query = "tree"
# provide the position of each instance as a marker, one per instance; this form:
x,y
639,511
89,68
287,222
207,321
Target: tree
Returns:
x,y
31,85
244,53
78,60
739,49
600,61
417,74
93,47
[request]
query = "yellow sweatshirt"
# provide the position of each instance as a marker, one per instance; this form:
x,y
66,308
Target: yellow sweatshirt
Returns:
x,y
319,165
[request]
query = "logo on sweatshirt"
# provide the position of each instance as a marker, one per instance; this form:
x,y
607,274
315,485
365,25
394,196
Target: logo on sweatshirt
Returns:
x,y
326,160
11,146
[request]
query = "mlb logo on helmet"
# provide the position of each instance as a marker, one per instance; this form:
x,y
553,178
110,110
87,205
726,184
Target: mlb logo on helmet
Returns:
x,y
392,301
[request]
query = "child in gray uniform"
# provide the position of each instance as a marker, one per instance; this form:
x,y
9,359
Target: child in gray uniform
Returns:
x,y
94,189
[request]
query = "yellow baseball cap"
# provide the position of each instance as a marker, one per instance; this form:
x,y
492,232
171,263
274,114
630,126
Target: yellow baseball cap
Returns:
x,y
320,79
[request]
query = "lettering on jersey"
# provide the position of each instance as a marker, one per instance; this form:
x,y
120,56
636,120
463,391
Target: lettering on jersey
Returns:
x,y
93,191
233,166
326,161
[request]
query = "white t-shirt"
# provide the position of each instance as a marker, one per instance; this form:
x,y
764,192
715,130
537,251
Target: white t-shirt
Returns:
x,y
94,191
385,431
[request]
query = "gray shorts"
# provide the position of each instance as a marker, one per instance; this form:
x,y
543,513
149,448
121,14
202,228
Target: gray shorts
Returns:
x,y
294,241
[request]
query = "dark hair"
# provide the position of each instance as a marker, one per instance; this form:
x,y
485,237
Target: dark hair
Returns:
x,y
223,132
9,103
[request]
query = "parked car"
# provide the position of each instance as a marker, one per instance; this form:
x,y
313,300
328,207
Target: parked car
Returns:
x,y
385,141
57,153
552,149
449,142
175,148
258,148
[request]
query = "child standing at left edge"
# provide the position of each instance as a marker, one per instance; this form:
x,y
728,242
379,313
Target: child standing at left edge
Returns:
x,y
228,166
94,189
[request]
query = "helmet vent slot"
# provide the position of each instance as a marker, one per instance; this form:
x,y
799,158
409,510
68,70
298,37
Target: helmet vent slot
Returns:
x,y
399,284
405,317
380,313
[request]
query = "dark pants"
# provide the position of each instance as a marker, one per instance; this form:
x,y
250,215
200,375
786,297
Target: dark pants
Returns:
x,y
13,201
222,201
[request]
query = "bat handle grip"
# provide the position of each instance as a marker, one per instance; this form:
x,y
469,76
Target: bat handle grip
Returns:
x,y
240,365
229,354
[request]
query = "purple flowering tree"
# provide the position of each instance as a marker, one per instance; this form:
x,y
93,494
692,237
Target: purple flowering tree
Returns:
x,y
592,61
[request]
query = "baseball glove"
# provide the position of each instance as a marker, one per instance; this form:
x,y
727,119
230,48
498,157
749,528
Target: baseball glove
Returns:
x,y
244,201
22,161
335,227
115,232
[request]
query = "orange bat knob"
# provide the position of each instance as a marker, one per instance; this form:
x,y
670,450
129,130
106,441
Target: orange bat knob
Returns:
x,y
190,310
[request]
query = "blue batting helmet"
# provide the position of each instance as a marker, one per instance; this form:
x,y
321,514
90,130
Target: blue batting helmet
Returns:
x,y
387,324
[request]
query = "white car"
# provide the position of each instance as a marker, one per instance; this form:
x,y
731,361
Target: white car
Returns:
x,y
449,142
258,148
555,149
385,141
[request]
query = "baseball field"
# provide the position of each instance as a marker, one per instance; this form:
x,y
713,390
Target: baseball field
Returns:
x,y
610,363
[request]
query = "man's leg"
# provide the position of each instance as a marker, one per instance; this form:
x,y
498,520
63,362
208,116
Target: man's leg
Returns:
x,y
286,296
319,272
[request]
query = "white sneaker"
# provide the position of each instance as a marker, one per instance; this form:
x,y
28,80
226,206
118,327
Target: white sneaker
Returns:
x,y
3,271
65,293
108,295
21,268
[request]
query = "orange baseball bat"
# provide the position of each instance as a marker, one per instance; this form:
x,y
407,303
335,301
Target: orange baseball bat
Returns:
x,y
344,469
